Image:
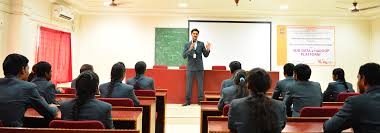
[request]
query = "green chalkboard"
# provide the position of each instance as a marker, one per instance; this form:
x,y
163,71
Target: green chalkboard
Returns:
x,y
169,44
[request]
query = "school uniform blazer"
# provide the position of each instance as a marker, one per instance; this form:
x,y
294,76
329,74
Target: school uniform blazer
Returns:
x,y
144,82
195,64
280,88
302,94
228,94
334,88
227,83
18,95
240,114
358,112
92,110
120,90
46,89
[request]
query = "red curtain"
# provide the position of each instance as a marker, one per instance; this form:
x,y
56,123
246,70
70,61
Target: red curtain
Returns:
x,y
55,47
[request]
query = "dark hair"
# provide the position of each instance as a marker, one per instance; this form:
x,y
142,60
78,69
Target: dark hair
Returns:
x,y
234,66
239,80
339,72
86,67
13,64
371,72
194,30
117,73
140,69
303,72
41,68
262,113
32,74
288,69
86,87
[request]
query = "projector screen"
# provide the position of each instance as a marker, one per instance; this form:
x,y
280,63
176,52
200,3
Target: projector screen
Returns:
x,y
247,42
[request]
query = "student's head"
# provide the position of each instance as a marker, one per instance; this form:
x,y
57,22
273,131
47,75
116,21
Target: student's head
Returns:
x,y
302,72
118,71
239,80
258,81
43,70
32,74
261,113
288,69
234,66
369,75
140,67
16,65
86,67
338,74
194,34
86,87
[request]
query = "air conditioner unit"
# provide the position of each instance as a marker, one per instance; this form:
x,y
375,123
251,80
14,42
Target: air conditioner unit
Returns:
x,y
63,13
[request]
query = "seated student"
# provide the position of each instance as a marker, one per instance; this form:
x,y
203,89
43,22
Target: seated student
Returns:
x,y
302,93
280,89
339,85
32,74
140,81
42,80
234,66
257,113
117,89
83,68
85,106
238,90
360,112
16,94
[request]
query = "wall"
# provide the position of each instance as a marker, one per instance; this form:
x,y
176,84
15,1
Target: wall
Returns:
x,y
375,40
106,39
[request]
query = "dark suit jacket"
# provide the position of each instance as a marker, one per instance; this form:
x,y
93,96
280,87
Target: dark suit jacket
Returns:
x,y
92,110
144,82
195,64
359,112
120,90
227,83
73,83
303,94
16,96
228,94
334,88
46,89
239,116
280,88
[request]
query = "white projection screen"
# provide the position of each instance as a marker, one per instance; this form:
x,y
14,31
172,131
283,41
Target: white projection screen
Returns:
x,y
247,42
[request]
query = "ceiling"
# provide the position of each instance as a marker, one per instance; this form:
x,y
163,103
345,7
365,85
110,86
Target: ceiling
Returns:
x,y
228,8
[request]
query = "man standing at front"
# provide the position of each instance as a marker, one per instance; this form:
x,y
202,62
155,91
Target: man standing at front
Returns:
x,y
193,51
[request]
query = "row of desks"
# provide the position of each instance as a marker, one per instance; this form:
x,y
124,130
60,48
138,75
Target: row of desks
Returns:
x,y
209,109
141,118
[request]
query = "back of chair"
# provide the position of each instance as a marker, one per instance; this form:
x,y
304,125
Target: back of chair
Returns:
x,y
118,101
160,67
182,67
69,91
344,95
226,108
1,124
86,124
219,68
318,111
148,93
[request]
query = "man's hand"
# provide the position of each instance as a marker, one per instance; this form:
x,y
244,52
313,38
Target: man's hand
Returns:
x,y
192,46
208,45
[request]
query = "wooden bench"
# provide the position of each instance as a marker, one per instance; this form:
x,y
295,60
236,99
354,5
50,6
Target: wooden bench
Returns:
x,y
56,130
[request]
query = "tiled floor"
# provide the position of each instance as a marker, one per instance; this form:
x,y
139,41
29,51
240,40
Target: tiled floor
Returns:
x,y
182,119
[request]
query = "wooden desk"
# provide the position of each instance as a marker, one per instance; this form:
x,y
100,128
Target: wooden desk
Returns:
x,y
220,125
122,117
56,130
161,99
208,108
149,114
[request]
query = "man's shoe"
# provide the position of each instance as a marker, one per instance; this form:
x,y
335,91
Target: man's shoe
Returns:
x,y
185,104
199,102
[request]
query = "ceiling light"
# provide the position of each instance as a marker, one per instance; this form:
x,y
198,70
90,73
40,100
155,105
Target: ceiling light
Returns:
x,y
284,7
183,5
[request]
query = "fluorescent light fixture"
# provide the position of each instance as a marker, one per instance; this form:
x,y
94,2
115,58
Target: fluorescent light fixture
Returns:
x,y
183,5
284,7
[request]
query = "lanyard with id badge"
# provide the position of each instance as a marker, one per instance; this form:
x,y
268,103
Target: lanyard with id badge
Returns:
x,y
195,48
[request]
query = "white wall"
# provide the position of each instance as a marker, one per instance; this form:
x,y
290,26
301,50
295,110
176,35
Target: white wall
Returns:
x,y
105,39
375,40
